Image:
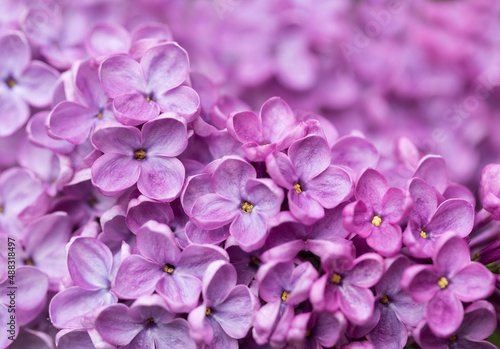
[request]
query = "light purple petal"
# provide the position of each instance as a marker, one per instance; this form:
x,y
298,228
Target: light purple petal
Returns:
x,y
195,259
166,136
367,270
105,39
155,241
219,279
71,121
121,75
444,313
420,281
389,333
133,109
136,277
112,173
310,156
356,303
432,169
473,282
371,188
15,54
331,187
115,138
230,177
452,254
180,291
245,126
182,100
161,178
212,211
115,325
281,170
175,334
277,118
36,85
165,66
304,207
235,313
396,205
13,113
355,153
385,239
479,321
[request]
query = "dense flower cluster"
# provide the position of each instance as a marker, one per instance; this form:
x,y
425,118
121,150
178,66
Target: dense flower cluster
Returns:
x,y
222,174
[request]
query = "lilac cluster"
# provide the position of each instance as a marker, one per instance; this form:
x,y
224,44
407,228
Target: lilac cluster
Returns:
x,y
161,203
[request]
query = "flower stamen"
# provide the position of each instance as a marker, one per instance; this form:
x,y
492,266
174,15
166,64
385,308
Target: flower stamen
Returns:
x,y
168,268
11,82
140,154
423,234
443,282
308,333
2,210
376,221
297,188
385,299
336,278
208,311
452,338
150,320
246,207
284,296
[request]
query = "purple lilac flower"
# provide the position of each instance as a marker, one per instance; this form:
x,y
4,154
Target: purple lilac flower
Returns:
x,y
74,120
22,82
489,189
432,216
241,199
226,312
478,323
451,280
146,324
141,90
283,286
92,267
161,266
346,283
275,128
376,213
145,157
313,184
142,209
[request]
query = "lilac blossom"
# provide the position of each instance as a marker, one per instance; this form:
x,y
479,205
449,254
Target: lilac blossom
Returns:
x,y
376,213
313,184
432,216
346,283
161,266
226,312
92,267
241,199
141,90
451,280
23,82
275,128
145,157
147,323
489,190
478,323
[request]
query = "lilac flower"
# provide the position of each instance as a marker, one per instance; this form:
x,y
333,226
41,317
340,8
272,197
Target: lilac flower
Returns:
x,y
376,213
346,283
74,120
114,229
489,190
105,39
240,199
145,157
22,199
316,330
313,184
146,324
142,209
432,217
354,153
141,90
395,310
275,128
92,268
22,82
226,312
452,279
71,339
161,266
38,135
282,286
478,323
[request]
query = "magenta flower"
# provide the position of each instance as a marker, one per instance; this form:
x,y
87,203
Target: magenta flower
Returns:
x,y
376,213
141,90
241,199
91,266
74,120
144,157
23,82
313,184
226,312
478,323
146,324
283,286
432,217
489,190
161,266
274,129
346,283
452,279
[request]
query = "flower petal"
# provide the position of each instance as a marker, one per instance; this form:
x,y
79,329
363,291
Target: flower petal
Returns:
x,y
112,173
182,100
115,326
115,138
165,136
234,315
36,85
331,187
180,291
161,178
356,303
71,121
155,241
120,75
230,177
133,109
13,113
136,277
245,126
212,211
310,156
386,239
473,282
367,270
444,313
277,118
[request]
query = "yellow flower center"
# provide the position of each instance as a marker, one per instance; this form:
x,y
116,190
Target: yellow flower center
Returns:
x,y
254,260
150,320
443,282
297,188
246,207
2,210
168,269
140,154
11,82
385,299
99,115
336,278
284,296
423,234
308,333
28,261
452,338
376,220
208,311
